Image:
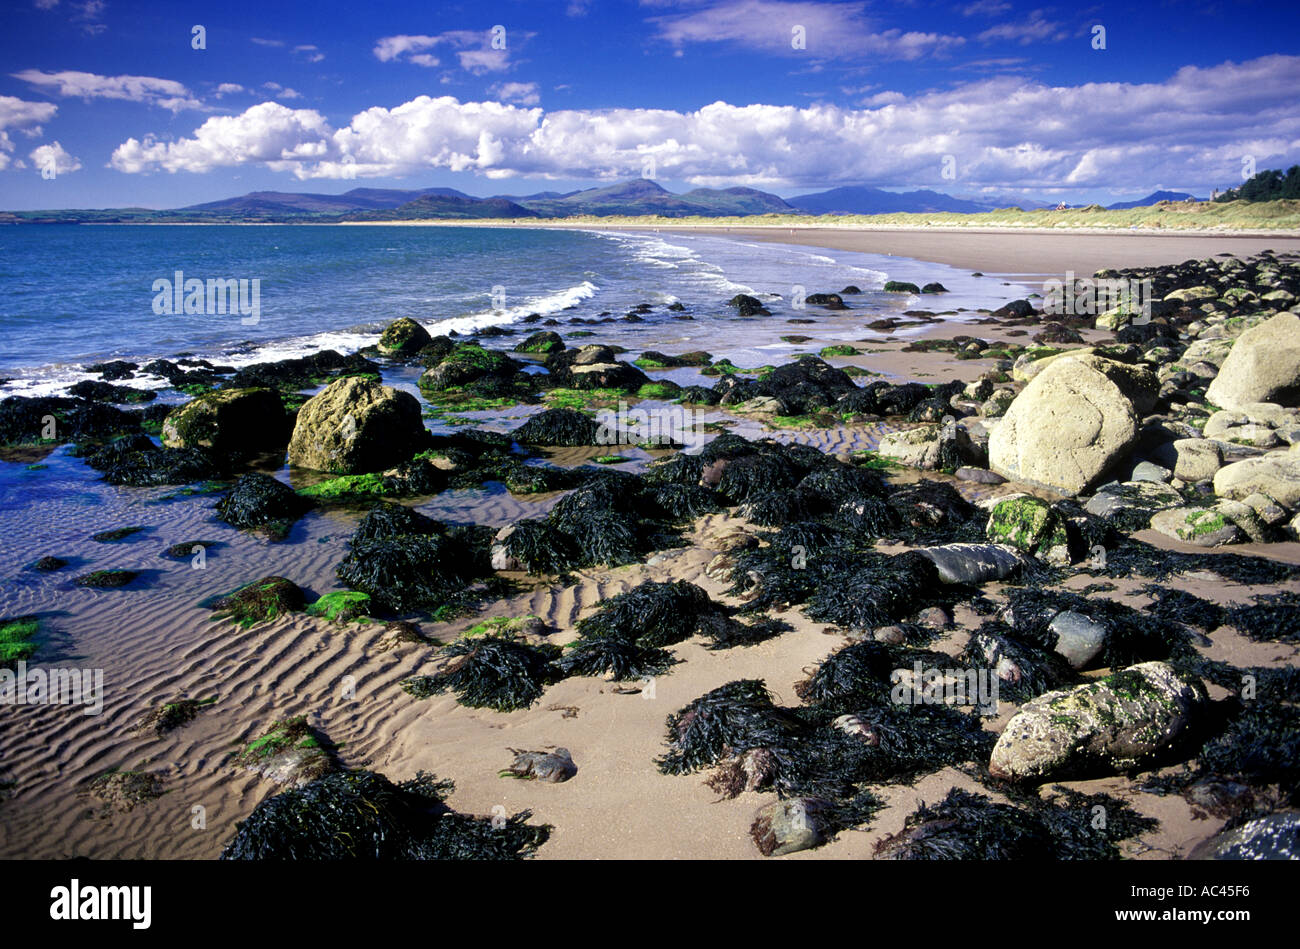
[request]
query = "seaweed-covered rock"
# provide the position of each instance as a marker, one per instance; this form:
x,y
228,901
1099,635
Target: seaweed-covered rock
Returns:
x,y
466,364
258,501
543,342
229,422
403,337
1130,505
291,752
1114,724
97,391
292,375
491,672
356,425
107,579
361,815
557,427
259,602
1204,527
593,367
805,386
136,461
404,572
748,306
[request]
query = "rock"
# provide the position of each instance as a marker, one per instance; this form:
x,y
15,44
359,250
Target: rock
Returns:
x,y
1115,724
748,306
996,405
916,447
901,286
1150,471
554,767
1079,639
543,342
1212,351
557,427
1274,837
1266,509
403,337
260,601
1198,459
979,475
1276,474
356,426
1029,524
1263,366
787,826
229,423
972,563
470,363
1204,527
1192,295
894,635
1129,505
1072,423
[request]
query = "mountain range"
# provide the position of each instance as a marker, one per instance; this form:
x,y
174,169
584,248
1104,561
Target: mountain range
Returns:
x,y
628,198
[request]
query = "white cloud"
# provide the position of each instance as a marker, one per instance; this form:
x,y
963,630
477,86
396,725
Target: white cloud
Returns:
x,y
24,117
282,92
1002,131
473,49
53,156
265,42
523,93
165,93
1034,29
228,89
830,30
309,52
986,8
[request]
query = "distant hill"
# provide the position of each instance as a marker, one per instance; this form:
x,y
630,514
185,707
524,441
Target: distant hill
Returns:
x,y
642,196
1151,199
861,200
291,203
444,207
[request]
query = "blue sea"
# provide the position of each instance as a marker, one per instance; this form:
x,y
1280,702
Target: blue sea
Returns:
x,y
74,294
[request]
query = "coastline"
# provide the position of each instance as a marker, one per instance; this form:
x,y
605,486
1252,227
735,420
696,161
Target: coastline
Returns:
x,y
618,806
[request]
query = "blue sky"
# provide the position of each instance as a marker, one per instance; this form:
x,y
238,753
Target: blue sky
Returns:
x,y
978,98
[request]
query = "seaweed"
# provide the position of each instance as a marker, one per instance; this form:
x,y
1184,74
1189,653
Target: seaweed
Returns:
x,y
173,715
616,658
878,592
557,427
362,815
388,519
405,572
18,639
119,533
491,672
732,718
1183,607
651,615
106,579
1133,635
1023,671
860,671
1273,617
260,501
968,826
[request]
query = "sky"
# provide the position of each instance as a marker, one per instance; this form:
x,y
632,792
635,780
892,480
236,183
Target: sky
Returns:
x,y
111,103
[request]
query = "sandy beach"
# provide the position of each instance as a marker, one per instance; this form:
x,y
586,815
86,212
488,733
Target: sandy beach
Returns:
x,y
156,644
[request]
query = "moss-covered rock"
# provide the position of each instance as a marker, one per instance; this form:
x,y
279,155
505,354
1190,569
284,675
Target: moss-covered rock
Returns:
x,y
467,363
1115,724
106,579
543,342
291,752
901,286
18,639
230,423
356,426
259,602
344,606
1031,525
403,337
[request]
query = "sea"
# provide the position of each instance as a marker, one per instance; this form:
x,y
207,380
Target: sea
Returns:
x,y
74,295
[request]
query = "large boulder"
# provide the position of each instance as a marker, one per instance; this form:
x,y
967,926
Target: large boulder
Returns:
x,y
229,422
1113,724
1076,420
355,426
1198,459
1276,474
403,337
1263,366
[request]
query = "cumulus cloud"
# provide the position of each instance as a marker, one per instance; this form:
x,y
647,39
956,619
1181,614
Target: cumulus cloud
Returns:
x,y
52,156
164,93
1001,131
831,30
20,116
